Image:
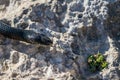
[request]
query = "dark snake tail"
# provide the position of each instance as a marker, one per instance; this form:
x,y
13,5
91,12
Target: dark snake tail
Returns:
x,y
28,36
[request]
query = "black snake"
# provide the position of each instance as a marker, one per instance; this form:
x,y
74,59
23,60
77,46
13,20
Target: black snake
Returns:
x,y
24,35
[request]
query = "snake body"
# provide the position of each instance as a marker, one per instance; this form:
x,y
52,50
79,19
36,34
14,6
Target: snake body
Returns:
x,y
28,36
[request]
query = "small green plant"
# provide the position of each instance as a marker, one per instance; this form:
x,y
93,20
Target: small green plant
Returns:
x,y
97,62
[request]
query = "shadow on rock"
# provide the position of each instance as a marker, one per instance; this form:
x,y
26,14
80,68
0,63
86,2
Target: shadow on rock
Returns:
x,y
112,24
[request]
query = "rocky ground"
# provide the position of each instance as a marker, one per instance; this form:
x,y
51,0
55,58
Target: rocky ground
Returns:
x,y
78,29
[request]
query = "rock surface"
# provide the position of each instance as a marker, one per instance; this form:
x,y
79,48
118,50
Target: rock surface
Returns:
x,y
78,29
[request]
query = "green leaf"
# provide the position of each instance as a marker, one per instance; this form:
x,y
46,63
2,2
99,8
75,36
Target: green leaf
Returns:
x,y
104,65
97,62
100,58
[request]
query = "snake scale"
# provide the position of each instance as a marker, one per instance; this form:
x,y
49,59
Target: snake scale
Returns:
x,y
28,36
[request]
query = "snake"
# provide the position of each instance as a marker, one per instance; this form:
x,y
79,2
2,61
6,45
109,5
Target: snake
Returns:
x,y
28,36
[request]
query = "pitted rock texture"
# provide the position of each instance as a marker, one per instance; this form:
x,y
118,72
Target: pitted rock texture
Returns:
x,y
78,29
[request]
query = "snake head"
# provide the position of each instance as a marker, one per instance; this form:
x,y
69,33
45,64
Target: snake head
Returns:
x,y
43,39
37,38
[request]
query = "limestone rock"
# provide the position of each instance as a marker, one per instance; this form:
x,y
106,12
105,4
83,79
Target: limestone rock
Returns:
x,y
78,29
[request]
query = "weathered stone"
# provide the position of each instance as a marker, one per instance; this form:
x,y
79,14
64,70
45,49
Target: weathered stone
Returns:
x,y
78,28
